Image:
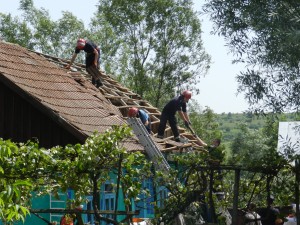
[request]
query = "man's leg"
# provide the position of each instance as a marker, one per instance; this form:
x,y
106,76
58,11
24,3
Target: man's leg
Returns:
x,y
173,125
162,125
95,73
98,60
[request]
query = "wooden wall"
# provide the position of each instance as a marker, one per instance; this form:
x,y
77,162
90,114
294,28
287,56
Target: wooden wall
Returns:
x,y
21,121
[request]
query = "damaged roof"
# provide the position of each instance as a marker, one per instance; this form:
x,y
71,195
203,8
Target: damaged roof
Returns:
x,y
71,97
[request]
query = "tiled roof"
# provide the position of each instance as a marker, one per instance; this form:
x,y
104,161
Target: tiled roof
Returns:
x,y
71,95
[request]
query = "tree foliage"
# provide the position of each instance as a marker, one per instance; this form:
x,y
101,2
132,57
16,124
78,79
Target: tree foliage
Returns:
x,y
265,36
257,151
83,168
160,46
206,126
204,122
186,185
36,31
15,31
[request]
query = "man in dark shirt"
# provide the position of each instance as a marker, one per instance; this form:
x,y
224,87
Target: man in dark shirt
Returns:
x,y
177,104
270,214
92,59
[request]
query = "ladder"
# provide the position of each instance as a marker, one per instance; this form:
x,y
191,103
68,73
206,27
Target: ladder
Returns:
x,y
153,152
57,203
150,146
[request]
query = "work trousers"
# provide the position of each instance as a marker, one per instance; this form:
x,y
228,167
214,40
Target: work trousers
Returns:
x,y
94,72
92,69
164,118
96,76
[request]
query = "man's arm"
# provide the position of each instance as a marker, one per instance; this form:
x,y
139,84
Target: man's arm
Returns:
x,y
186,116
183,116
72,60
96,57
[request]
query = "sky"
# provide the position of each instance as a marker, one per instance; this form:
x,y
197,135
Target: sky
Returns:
x,y
217,89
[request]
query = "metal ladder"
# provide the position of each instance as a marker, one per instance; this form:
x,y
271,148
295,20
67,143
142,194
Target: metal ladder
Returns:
x,y
57,204
155,155
150,146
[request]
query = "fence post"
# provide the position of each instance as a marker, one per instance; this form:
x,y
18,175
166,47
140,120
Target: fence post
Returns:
x,y
236,196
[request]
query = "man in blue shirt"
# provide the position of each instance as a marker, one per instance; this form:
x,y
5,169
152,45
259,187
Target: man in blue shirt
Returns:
x,y
92,59
177,104
139,113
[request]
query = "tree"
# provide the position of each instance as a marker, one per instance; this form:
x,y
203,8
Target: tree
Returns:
x,y
185,185
36,31
159,45
204,122
50,37
265,36
14,31
257,151
26,168
249,146
14,189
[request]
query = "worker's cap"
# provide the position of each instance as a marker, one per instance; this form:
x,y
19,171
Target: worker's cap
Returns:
x,y
187,94
81,43
132,112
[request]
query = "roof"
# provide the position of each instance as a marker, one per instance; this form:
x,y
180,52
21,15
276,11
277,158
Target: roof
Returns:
x,y
71,98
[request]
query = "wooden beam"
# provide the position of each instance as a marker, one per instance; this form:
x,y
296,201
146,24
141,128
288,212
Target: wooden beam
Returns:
x,y
137,106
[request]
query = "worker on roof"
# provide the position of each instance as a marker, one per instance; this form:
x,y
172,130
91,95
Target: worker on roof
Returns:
x,y
139,113
177,104
92,59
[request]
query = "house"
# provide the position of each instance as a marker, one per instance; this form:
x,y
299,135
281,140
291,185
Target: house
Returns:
x,y
39,99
